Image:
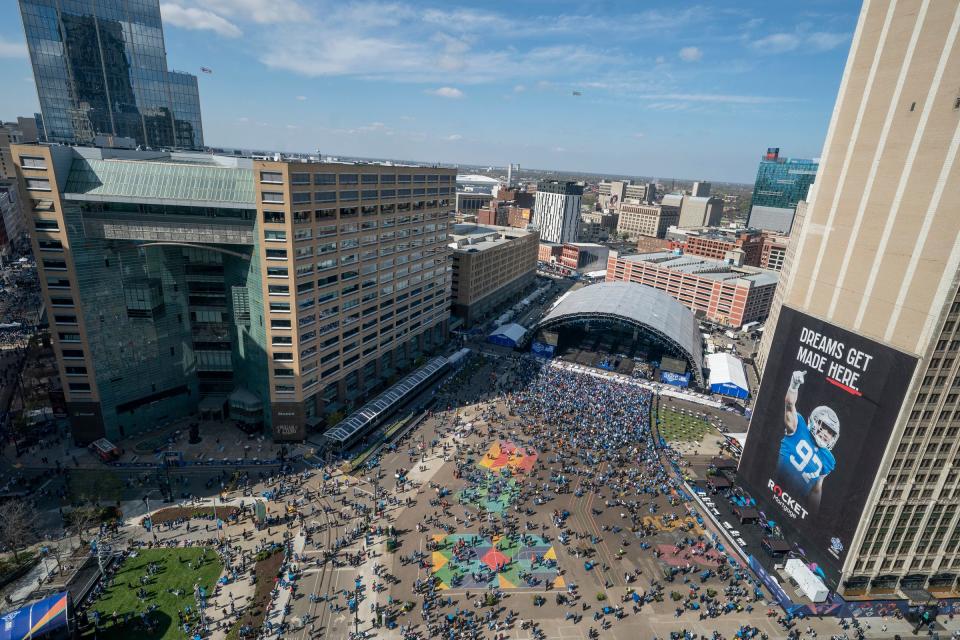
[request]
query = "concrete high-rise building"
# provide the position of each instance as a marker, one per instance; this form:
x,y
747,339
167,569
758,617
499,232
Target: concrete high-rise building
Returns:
x,y
696,211
651,220
781,184
700,189
100,68
278,291
862,472
491,266
556,211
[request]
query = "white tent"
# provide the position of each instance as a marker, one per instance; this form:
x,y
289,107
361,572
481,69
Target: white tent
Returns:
x,y
508,335
807,582
727,376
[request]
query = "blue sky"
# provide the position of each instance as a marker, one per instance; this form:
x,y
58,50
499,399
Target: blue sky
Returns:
x,y
669,88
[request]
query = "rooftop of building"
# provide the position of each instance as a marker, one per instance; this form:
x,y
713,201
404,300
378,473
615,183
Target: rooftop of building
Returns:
x,y
705,267
175,178
473,178
479,237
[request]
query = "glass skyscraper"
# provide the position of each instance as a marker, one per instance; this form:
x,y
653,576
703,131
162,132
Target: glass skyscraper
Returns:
x,y
101,69
783,182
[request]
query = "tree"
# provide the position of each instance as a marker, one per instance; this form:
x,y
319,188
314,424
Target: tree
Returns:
x,y
18,522
334,418
81,519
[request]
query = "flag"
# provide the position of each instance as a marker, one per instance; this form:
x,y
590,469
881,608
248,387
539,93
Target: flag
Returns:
x,y
206,69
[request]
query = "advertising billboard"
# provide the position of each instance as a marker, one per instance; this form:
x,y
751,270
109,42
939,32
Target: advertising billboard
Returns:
x,y
543,350
676,379
827,405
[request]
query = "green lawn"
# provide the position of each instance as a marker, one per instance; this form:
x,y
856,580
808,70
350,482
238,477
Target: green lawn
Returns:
x,y
174,574
677,427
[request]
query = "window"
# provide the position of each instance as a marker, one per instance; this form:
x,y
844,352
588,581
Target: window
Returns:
x,y
275,236
61,301
274,217
46,225
33,162
55,265
276,254
368,178
282,356
272,196
37,184
68,337
273,177
349,196
277,272
73,354
50,245
82,387
280,307
299,178
300,197
278,289
348,178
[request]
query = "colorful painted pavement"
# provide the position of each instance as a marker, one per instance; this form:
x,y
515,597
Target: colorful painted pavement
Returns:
x,y
508,456
493,494
467,561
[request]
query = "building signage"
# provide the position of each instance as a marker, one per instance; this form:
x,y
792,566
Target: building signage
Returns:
x,y
826,408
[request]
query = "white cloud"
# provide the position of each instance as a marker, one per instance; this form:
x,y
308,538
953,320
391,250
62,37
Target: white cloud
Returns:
x,y
301,98
783,42
519,88
823,41
198,19
638,135
715,97
660,60
453,137
446,92
690,54
260,11
559,149
12,49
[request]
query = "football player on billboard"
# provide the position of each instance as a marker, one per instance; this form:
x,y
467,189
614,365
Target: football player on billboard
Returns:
x,y
806,456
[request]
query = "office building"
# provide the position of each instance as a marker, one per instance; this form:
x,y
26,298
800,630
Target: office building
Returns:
x,y
596,226
698,212
556,211
612,193
549,252
723,293
700,189
781,184
735,246
275,291
100,68
651,220
774,251
863,339
492,265
584,257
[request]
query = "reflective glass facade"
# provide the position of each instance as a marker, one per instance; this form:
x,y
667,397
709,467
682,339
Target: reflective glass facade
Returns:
x,y
783,182
100,67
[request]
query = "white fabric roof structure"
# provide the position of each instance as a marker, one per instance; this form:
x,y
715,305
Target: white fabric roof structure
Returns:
x,y
637,304
725,369
512,331
809,584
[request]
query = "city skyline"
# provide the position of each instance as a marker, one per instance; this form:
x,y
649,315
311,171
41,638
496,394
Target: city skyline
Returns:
x,y
497,84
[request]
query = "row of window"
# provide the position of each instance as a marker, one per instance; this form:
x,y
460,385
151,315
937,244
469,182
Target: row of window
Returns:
x,y
351,195
276,177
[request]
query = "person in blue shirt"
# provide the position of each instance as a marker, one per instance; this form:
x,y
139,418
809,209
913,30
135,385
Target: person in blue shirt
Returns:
x,y
806,456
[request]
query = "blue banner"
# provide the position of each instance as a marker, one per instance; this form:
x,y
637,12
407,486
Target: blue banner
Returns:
x,y
675,379
542,349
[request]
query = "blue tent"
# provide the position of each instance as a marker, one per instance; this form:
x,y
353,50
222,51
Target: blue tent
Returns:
x,y
47,618
507,335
